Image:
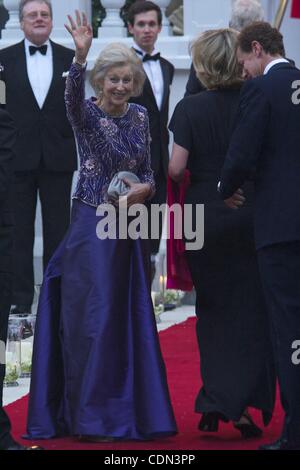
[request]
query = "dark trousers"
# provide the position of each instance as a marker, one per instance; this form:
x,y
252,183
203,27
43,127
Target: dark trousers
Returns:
x,y
280,274
6,243
54,190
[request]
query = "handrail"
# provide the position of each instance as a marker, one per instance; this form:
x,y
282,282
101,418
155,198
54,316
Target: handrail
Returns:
x,y
280,14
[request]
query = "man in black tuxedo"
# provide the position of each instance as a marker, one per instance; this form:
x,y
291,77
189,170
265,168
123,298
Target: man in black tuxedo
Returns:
x,y
265,145
7,139
45,147
145,23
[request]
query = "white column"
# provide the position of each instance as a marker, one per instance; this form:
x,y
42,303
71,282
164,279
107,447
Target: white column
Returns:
x,y
166,28
112,25
12,28
202,15
60,11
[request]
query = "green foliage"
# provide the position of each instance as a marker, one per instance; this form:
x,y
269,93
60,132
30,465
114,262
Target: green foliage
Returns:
x,y
98,14
125,9
173,296
11,374
26,367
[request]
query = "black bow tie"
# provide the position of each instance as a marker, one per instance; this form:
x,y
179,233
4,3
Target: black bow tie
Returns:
x,y
34,49
148,56
151,57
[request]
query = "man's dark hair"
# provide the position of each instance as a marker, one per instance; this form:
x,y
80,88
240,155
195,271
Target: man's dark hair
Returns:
x,y
141,6
268,37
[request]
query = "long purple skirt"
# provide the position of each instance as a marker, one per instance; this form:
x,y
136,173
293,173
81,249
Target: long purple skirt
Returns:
x,y
97,364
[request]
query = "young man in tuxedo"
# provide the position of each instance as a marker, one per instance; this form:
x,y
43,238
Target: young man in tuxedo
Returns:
x,y
265,146
145,24
45,147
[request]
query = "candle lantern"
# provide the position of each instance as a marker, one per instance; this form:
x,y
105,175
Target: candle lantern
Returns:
x,y
162,277
27,326
19,348
13,364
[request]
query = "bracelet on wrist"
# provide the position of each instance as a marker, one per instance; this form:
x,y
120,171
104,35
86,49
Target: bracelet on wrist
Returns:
x,y
75,61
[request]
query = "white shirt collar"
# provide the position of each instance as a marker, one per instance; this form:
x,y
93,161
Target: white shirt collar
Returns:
x,y
274,62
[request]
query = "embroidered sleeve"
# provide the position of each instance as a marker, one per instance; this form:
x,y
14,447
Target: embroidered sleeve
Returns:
x,y
74,96
145,171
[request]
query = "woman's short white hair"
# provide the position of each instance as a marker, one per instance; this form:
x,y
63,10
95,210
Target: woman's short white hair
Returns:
x,y
117,55
245,12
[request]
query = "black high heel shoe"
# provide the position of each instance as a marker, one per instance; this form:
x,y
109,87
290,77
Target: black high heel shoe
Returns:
x,y
248,429
209,422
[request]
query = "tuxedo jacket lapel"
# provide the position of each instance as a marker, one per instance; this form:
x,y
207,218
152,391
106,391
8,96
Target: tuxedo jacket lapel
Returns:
x,y
21,75
58,69
149,91
167,82
166,79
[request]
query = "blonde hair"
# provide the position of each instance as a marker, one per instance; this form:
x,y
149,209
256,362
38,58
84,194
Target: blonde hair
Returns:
x,y
117,55
214,58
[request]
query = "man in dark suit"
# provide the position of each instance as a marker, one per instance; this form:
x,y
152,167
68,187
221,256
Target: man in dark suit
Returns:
x,y
7,139
45,147
145,23
265,145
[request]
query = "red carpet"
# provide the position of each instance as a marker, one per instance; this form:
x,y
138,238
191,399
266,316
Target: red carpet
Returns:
x,y
181,356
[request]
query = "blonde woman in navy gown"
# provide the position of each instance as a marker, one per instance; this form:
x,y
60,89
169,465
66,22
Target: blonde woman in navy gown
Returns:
x,y
237,366
97,366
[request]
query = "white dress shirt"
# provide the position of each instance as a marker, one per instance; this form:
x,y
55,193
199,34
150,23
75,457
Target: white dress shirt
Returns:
x,y
153,71
274,62
40,71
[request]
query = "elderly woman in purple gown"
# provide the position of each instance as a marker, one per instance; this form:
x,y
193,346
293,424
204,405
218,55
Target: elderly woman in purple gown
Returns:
x,y
98,372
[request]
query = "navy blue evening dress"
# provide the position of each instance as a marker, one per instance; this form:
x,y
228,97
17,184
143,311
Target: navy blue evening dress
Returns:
x,y
97,365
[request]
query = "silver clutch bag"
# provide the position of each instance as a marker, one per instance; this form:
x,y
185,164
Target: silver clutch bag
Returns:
x,y
117,187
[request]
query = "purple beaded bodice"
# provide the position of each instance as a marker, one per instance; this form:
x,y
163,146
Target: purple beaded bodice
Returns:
x,y
106,144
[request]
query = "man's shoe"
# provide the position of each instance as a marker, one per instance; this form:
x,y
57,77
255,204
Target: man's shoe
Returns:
x,y
14,445
20,310
280,444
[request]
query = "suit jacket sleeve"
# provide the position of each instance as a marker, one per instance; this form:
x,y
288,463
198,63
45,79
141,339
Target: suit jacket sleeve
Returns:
x,y
7,140
247,140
